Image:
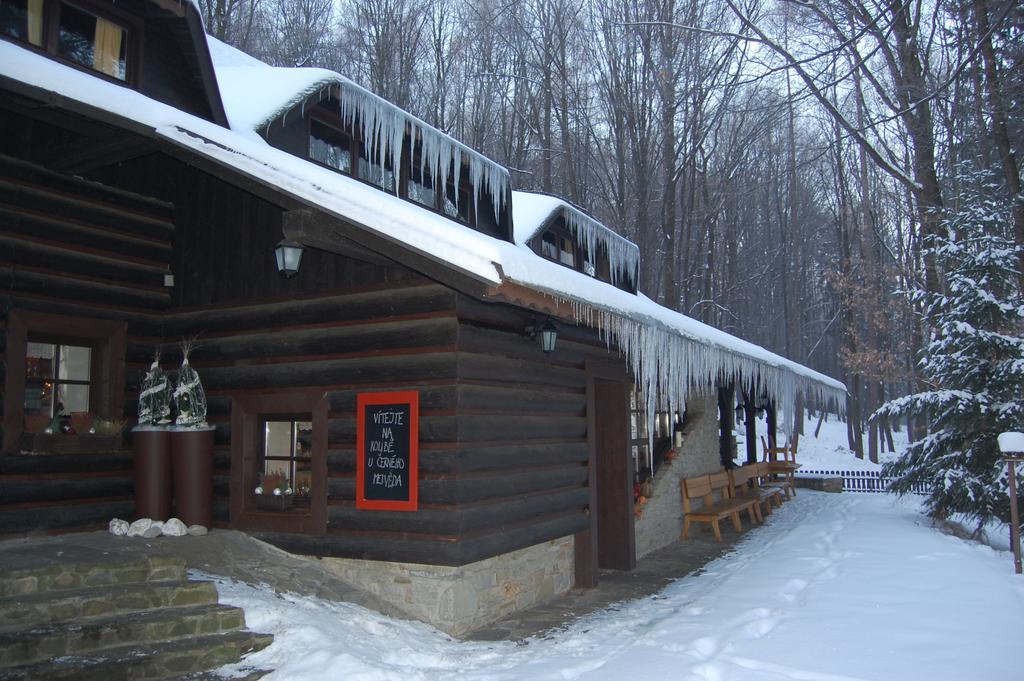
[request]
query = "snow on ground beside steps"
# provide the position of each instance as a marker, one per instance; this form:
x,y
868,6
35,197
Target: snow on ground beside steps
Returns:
x,y
833,587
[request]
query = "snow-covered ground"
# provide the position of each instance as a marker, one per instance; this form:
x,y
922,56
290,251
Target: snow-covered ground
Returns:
x,y
830,449
833,587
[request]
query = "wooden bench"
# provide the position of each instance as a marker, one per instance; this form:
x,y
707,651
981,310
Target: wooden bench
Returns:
x,y
780,464
767,481
704,488
746,484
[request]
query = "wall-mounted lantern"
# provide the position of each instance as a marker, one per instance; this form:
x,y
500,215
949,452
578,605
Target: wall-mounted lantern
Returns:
x,y
288,256
546,333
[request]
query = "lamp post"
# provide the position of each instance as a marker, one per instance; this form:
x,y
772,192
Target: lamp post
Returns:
x,y
1012,447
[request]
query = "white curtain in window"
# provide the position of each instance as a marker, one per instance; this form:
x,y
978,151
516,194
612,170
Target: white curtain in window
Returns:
x,y
107,54
35,22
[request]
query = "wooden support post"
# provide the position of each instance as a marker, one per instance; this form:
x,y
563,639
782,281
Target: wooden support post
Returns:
x,y
750,421
1011,463
772,424
726,419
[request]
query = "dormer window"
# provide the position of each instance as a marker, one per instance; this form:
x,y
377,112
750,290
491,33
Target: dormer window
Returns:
x,y
577,241
92,41
330,146
559,247
354,132
458,202
334,144
76,33
566,252
370,170
421,188
22,20
549,245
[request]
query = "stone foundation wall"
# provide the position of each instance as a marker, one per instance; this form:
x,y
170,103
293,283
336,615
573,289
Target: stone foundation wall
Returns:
x,y
824,484
458,600
662,519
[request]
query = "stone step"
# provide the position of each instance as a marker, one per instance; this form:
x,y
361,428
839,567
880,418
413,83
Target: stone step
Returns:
x,y
34,610
89,636
172,659
61,576
243,675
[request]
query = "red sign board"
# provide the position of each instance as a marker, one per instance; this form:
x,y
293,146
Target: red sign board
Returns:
x,y
387,451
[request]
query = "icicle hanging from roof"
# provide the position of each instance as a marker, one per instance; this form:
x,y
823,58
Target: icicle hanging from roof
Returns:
x,y
623,255
383,125
667,365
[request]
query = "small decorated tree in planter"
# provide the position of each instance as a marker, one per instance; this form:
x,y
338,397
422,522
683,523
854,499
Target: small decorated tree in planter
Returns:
x,y
152,444
192,447
155,395
189,396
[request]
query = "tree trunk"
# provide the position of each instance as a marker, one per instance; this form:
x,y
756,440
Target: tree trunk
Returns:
x,y
1000,133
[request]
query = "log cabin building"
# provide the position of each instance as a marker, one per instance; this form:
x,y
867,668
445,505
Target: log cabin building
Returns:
x,y
144,186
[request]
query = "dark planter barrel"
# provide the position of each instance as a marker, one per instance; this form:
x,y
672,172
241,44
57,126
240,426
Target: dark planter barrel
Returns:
x,y
152,449
192,453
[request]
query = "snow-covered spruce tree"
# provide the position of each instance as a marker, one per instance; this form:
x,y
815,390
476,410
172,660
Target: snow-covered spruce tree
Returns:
x,y
973,366
155,395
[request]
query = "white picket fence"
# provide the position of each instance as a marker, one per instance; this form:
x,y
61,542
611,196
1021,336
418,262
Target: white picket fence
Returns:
x,y
858,481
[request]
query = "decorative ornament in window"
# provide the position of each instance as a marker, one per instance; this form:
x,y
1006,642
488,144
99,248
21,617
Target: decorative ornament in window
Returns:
x,y
57,379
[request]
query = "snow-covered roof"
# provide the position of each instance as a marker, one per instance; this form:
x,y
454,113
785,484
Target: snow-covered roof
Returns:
x,y
668,352
255,93
258,95
531,212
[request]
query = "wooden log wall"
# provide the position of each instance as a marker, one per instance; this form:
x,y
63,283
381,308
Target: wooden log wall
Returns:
x,y
74,247
528,438
503,428
223,250
380,337
67,239
503,463
62,492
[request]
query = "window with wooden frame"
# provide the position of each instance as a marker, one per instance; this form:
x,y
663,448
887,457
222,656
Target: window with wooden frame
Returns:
x,y
57,379
559,246
288,451
330,146
60,362
333,144
549,245
102,39
373,170
420,186
597,264
566,251
458,201
639,446
283,434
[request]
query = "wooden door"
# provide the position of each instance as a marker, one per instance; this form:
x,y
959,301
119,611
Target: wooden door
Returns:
x,y
616,545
